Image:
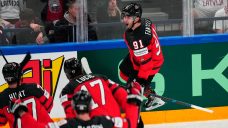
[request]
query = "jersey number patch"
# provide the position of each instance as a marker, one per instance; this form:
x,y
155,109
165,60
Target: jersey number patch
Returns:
x,y
101,90
138,44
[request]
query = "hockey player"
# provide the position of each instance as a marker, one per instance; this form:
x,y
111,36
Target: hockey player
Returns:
x,y
38,100
145,55
108,97
81,102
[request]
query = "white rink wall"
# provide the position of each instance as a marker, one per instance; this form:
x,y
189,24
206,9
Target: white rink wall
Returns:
x,y
198,124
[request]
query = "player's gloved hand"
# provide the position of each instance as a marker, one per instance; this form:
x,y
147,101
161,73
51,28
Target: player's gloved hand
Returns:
x,y
16,106
134,95
128,84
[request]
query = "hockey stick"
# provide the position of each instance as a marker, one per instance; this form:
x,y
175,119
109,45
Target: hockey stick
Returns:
x,y
183,103
25,60
4,56
22,65
85,65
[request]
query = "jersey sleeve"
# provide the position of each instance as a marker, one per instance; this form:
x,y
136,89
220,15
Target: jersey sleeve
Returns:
x,y
132,115
119,93
65,99
43,96
131,110
3,119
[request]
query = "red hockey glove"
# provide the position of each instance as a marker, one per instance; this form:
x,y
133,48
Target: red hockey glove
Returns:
x,y
134,95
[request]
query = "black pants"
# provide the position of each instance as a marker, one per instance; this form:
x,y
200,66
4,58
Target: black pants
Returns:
x,y
126,67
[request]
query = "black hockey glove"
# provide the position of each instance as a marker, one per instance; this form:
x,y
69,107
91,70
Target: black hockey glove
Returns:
x,y
16,106
134,95
143,82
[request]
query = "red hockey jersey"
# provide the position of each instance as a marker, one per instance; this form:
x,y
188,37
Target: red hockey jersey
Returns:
x,y
38,101
144,48
108,98
97,121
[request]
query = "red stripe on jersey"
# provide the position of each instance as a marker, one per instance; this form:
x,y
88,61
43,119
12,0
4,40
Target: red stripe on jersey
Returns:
x,y
48,105
43,99
3,119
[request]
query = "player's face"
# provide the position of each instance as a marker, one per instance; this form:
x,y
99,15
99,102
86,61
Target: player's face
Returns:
x,y
128,21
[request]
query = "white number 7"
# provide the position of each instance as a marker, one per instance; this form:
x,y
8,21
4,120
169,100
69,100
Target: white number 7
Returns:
x,y
101,87
34,113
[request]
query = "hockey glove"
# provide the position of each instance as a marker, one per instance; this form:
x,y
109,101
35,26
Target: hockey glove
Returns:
x,y
134,95
129,82
16,106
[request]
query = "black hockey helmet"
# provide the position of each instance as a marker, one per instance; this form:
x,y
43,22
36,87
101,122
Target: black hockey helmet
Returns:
x,y
10,72
81,102
132,9
72,68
